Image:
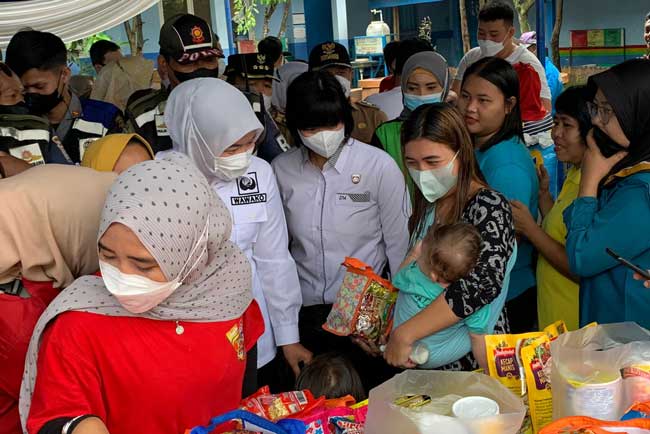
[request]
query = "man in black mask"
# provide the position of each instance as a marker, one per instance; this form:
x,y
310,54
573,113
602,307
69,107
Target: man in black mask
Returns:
x,y
187,50
40,60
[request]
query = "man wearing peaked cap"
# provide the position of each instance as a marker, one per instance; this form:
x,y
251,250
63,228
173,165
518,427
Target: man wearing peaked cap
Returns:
x,y
252,74
335,59
188,50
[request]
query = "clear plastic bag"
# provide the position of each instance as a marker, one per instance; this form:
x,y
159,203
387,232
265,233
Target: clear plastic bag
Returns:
x,y
589,366
385,417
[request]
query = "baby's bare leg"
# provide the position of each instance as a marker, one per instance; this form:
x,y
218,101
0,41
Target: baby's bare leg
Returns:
x,y
479,350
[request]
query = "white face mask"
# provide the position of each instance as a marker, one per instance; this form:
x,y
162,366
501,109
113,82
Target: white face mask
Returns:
x,y
222,66
324,143
229,168
346,85
490,48
435,183
138,294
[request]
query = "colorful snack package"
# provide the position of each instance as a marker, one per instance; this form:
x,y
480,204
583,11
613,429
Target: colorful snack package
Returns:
x,y
364,304
275,407
504,363
556,329
536,358
636,383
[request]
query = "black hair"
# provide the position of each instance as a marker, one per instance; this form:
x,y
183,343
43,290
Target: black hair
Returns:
x,y
573,102
99,49
270,46
32,49
647,17
497,10
390,52
4,68
333,376
500,73
407,48
315,99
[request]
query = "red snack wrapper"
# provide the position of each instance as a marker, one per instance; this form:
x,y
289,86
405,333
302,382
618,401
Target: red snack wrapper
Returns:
x,y
276,407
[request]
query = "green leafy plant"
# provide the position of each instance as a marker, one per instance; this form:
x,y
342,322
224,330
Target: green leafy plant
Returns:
x,y
82,46
244,12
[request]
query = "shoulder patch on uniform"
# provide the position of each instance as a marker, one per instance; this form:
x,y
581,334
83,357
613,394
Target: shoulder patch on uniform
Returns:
x,y
368,104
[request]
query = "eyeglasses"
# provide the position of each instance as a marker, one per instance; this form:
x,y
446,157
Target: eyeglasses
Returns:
x,y
603,113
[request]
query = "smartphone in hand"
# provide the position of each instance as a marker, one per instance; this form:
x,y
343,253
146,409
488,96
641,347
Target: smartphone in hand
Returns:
x,y
640,271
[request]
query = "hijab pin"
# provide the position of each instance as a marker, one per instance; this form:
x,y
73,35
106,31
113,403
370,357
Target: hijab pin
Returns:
x,y
356,178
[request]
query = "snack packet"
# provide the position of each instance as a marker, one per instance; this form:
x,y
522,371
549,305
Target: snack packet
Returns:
x,y
556,329
275,407
364,305
636,383
536,358
504,363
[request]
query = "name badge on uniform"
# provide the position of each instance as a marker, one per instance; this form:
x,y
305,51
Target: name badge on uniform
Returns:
x,y
83,145
161,126
284,145
352,198
29,153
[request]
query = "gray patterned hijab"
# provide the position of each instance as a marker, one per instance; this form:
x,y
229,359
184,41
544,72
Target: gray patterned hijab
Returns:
x,y
167,204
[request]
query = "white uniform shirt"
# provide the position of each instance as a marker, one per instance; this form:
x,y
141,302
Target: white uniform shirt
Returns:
x,y
357,207
520,55
260,231
390,102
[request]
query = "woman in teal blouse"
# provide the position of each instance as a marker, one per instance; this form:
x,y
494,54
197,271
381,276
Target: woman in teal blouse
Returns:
x,y
489,101
613,206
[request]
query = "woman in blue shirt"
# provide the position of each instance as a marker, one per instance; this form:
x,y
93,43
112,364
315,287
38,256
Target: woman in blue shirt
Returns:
x,y
613,205
489,101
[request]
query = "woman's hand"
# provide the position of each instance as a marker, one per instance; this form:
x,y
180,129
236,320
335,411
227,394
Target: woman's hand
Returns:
x,y
524,220
595,167
398,350
637,276
544,180
296,354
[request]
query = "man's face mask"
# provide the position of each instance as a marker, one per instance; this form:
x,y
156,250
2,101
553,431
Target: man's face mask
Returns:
x,y
198,73
40,104
15,109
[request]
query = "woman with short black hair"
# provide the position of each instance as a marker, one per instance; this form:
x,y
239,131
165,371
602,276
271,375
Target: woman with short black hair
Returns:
x,y
341,198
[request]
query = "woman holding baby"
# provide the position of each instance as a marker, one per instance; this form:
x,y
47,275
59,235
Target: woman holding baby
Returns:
x,y
439,156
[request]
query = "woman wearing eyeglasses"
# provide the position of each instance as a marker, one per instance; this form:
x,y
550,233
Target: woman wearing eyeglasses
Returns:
x,y
613,205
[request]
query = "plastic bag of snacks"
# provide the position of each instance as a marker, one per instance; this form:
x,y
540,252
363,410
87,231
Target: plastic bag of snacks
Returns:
x,y
364,305
411,403
588,425
599,371
280,406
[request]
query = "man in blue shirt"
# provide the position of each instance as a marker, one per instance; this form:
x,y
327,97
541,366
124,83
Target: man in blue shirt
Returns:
x,y
529,40
40,60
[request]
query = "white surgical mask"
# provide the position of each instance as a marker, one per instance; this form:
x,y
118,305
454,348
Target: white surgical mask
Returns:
x,y
435,183
324,143
229,168
490,48
346,85
138,294
222,66
267,102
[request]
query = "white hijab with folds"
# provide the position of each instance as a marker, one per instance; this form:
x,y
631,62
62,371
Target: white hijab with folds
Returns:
x,y
204,117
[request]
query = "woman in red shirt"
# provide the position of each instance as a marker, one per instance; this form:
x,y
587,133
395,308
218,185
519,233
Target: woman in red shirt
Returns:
x,y
159,343
49,217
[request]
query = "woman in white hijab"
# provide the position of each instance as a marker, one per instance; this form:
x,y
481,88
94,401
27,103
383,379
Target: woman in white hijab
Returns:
x,y
221,143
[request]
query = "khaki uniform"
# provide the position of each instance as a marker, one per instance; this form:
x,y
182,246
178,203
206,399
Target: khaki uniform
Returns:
x,y
367,117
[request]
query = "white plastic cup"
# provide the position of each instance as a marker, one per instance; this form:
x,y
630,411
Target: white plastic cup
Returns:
x,y
474,407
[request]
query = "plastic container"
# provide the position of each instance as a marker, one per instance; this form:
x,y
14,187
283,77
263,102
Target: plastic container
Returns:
x,y
474,407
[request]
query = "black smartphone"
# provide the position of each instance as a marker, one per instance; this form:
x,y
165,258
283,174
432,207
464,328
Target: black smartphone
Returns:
x,y
643,273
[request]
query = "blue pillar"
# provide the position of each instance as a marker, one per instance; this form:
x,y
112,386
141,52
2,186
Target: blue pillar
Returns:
x,y
318,20
231,43
541,32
